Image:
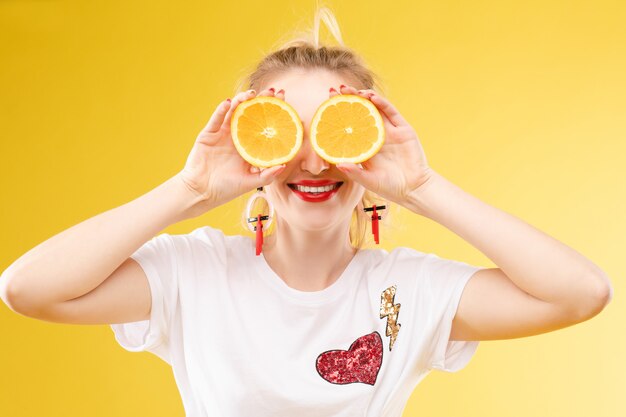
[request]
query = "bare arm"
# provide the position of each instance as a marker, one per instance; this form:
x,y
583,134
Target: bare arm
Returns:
x,y
535,262
84,274
77,260
540,284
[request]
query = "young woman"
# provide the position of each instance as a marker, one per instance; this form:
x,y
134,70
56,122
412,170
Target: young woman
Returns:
x,y
316,325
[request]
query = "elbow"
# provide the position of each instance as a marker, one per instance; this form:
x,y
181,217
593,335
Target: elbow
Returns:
x,y
11,296
600,296
7,292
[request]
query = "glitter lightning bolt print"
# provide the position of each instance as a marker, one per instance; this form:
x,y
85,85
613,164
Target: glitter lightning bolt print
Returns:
x,y
390,310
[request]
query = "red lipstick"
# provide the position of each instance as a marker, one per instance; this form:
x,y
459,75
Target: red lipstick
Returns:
x,y
315,183
315,197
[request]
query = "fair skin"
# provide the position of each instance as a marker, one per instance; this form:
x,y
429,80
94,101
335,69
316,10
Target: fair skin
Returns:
x,y
539,284
310,246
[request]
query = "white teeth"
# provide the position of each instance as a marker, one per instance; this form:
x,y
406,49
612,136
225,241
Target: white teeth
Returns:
x,y
307,189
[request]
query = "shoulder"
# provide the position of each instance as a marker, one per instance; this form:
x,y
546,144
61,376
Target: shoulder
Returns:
x,y
400,267
399,257
416,268
203,240
405,257
208,237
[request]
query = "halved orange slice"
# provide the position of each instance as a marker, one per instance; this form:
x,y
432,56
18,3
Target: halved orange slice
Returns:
x,y
347,128
266,131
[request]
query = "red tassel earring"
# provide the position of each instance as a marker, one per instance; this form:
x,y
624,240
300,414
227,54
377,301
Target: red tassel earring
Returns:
x,y
258,229
375,218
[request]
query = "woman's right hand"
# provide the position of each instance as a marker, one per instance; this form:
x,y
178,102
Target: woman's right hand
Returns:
x,y
214,170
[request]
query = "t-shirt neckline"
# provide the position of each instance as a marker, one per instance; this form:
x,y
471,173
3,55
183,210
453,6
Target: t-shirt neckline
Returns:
x,y
309,297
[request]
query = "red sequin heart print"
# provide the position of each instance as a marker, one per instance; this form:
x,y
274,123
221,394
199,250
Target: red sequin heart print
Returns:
x,y
360,363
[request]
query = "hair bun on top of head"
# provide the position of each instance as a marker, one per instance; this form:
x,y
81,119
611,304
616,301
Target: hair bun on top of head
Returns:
x,y
328,17
305,49
311,37
300,48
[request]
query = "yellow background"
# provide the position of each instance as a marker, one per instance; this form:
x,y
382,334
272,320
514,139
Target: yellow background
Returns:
x,y
522,104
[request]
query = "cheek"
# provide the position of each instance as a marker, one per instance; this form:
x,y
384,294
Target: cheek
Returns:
x,y
357,190
273,193
354,195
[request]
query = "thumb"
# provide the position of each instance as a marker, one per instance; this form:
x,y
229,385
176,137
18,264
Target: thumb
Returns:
x,y
358,174
267,175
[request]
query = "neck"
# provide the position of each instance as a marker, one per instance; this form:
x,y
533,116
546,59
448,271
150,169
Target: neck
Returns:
x,y
309,260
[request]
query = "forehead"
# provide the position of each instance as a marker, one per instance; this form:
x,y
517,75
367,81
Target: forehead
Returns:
x,y
306,89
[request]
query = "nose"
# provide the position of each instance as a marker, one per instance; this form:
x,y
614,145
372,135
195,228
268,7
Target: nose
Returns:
x,y
310,160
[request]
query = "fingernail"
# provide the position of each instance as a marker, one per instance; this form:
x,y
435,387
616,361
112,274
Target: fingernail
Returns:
x,y
341,86
281,91
251,91
272,90
332,89
279,169
228,100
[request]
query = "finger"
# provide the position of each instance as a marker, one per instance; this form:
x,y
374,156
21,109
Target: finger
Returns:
x,y
365,94
281,94
368,93
346,89
332,92
357,173
388,109
264,176
268,92
217,118
268,175
239,98
392,114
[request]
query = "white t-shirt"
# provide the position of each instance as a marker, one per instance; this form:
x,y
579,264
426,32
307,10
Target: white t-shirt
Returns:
x,y
242,343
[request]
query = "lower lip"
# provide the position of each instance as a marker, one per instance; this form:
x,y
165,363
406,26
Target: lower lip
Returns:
x,y
312,198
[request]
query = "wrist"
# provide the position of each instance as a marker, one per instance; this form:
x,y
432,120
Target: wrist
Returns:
x,y
418,199
186,202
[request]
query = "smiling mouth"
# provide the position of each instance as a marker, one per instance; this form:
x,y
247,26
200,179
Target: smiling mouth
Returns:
x,y
315,190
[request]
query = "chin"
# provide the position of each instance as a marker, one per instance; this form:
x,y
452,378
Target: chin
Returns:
x,y
318,226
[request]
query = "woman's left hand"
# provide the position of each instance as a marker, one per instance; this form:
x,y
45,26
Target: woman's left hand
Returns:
x,y
399,168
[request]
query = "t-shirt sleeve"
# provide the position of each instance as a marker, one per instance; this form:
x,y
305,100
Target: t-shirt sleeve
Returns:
x,y
157,258
443,283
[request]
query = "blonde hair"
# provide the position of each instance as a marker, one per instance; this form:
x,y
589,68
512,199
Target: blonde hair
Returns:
x,y
306,51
